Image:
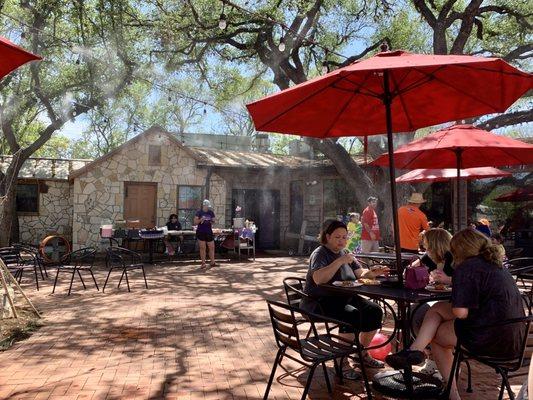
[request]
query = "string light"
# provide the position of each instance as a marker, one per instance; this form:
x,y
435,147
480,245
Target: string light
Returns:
x,y
281,46
223,21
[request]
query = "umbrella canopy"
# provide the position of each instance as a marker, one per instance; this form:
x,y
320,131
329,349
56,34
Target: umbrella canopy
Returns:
x,y
477,148
523,194
440,175
460,146
13,56
393,91
424,90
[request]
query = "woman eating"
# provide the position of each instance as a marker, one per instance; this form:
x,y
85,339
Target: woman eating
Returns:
x,y
483,294
329,263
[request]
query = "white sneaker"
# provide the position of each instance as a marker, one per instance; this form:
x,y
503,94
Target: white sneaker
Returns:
x,y
430,368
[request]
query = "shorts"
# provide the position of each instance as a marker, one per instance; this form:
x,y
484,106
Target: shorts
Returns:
x,y
370,246
205,236
366,319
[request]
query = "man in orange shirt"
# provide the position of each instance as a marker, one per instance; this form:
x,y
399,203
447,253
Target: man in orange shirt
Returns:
x,y
412,222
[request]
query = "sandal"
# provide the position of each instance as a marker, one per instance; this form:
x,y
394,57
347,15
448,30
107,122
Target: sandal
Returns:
x,y
203,266
212,264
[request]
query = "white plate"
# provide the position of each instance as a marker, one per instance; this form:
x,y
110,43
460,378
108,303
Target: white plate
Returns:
x,y
347,283
431,288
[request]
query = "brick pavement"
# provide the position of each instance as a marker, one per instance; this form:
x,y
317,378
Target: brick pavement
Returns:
x,y
191,335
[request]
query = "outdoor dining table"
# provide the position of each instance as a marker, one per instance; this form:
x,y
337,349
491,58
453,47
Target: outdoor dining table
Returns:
x,y
400,383
403,297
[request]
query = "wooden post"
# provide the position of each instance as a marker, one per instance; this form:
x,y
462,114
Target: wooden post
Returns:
x,y
9,299
5,272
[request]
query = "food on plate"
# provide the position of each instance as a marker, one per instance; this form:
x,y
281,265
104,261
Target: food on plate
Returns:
x,y
366,281
440,286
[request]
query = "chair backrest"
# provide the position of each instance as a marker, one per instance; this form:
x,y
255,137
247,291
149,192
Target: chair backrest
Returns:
x,y
294,290
10,256
84,256
518,263
284,324
119,256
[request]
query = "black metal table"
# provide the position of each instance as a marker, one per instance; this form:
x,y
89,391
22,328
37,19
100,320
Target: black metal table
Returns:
x,y
406,383
402,296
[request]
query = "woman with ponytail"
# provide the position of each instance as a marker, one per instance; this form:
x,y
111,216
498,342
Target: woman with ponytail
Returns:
x,y
483,294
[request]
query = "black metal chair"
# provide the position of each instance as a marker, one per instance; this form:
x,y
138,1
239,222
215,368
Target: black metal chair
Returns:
x,y
74,263
507,368
124,260
11,256
312,351
30,254
522,269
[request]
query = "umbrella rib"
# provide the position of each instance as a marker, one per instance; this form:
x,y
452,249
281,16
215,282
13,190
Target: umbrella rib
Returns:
x,y
505,151
298,103
344,107
369,92
402,102
431,76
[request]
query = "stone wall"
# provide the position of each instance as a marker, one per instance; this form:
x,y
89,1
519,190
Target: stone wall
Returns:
x,y
55,214
98,194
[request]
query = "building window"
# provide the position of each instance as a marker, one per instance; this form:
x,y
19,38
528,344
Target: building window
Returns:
x,y
189,201
27,198
338,199
154,155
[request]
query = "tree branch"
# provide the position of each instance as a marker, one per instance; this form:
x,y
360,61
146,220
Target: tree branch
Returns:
x,y
426,13
513,118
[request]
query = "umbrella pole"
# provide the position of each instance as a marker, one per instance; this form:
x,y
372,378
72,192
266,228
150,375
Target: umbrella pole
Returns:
x,y
458,155
387,100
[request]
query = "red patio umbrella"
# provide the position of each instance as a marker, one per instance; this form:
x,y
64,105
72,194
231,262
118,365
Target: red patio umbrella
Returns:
x,y
518,195
460,146
440,175
390,92
13,56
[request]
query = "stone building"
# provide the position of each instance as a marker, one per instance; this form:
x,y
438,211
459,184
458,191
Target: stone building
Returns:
x,y
156,174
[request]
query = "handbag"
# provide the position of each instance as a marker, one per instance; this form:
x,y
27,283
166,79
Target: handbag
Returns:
x,y
416,277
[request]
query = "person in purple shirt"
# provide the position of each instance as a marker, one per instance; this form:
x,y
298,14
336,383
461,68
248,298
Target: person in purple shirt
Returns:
x,y
204,219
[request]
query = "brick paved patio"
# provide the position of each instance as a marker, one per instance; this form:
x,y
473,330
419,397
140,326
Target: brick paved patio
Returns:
x,y
192,335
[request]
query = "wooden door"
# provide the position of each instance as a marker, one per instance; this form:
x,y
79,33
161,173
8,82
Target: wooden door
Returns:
x,y
140,200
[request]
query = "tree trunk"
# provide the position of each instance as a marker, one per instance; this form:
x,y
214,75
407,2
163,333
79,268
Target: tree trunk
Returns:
x,y
6,216
8,210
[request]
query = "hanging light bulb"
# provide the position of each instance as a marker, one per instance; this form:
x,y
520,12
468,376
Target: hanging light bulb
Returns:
x,y
169,98
222,21
281,46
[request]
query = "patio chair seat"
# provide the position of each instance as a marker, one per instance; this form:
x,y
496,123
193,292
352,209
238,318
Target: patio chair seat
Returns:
x,y
123,260
323,347
76,261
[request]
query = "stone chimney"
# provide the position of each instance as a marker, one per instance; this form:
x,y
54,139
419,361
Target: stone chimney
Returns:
x,y
262,142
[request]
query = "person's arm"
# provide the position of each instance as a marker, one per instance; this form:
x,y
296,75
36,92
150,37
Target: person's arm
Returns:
x,y
197,219
465,292
325,274
378,270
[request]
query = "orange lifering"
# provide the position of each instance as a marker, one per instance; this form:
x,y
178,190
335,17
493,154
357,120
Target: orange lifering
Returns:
x,y
54,248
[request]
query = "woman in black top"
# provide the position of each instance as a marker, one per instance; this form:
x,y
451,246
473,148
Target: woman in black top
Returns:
x,y
483,293
173,224
329,263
